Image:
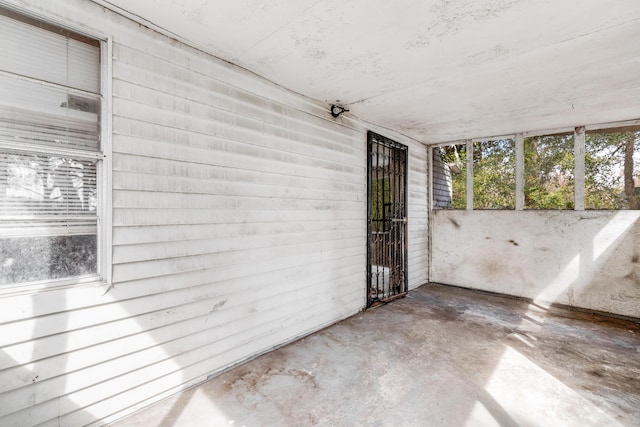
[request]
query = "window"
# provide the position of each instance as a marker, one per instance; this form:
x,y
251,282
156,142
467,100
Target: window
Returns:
x,y
50,153
596,169
442,190
494,174
548,167
450,177
612,166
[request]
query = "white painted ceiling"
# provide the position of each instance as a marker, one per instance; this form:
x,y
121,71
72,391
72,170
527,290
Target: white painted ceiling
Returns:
x,y
435,70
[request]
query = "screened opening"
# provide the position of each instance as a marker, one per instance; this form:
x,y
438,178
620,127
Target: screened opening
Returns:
x,y
549,172
612,169
494,174
450,177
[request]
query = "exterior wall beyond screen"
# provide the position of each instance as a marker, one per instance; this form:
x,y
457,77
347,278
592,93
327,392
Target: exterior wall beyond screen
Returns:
x,y
239,224
442,195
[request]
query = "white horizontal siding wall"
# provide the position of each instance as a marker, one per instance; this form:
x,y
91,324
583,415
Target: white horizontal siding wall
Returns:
x,y
417,215
238,224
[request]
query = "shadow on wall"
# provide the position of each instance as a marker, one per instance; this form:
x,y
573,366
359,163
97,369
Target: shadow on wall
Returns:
x,y
587,259
79,355
70,366
33,372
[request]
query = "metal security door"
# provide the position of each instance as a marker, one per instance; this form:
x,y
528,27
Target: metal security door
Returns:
x,y
387,219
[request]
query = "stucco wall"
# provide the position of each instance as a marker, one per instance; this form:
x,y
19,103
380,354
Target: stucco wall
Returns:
x,y
588,259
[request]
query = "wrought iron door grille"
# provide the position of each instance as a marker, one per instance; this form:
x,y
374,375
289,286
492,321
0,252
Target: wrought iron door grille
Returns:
x,y
387,219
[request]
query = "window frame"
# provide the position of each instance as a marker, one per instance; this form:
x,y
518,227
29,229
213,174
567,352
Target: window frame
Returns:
x,y
475,163
575,172
103,158
619,127
579,162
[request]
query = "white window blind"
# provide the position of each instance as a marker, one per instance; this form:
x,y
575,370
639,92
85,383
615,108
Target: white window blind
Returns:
x,y
49,151
45,187
45,52
31,113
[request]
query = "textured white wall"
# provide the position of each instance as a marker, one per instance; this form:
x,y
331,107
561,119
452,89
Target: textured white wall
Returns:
x,y
588,259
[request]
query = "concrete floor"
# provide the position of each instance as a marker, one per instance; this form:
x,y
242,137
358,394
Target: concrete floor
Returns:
x,y
442,356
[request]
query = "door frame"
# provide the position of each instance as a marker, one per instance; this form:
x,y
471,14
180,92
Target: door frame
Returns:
x,y
372,138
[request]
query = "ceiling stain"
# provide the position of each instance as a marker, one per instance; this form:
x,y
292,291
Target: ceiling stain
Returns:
x,y
434,70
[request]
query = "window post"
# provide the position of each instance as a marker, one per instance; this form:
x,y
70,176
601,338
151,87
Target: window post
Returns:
x,y
519,171
579,168
469,150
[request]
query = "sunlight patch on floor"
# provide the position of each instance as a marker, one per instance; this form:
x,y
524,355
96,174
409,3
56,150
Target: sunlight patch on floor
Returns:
x,y
201,409
531,396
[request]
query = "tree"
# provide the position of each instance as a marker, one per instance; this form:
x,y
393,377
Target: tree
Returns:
x,y
548,169
610,172
494,174
456,157
629,178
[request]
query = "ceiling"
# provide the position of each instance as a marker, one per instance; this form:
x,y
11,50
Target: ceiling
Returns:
x,y
435,70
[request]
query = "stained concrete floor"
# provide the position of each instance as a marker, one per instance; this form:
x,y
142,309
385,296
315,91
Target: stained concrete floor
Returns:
x,y
442,356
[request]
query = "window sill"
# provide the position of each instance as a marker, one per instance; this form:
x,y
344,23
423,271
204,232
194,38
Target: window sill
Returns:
x,y
30,288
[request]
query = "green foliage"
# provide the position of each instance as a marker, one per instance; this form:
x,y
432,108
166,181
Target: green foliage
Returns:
x,y
604,163
494,172
548,172
548,169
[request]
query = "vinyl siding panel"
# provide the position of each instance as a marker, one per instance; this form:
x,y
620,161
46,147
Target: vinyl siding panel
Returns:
x,y
238,225
418,215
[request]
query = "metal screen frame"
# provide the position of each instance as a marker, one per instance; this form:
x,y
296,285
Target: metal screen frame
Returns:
x,y
387,195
